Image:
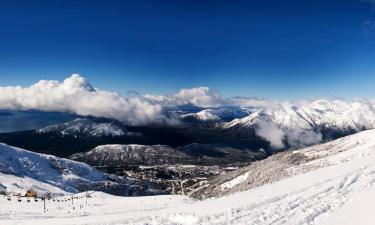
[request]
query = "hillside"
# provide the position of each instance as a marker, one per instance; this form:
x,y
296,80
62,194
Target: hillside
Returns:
x,y
334,185
290,163
21,170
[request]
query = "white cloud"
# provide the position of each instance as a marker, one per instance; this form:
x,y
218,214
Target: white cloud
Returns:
x,y
270,132
76,95
299,137
200,96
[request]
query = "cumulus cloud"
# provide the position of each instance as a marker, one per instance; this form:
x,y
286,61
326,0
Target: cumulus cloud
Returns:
x,y
200,96
76,95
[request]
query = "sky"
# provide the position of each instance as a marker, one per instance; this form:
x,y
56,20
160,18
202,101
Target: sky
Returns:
x,y
272,49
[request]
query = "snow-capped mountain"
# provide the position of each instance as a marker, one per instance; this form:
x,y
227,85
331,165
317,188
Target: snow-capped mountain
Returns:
x,y
88,127
217,114
193,154
291,163
284,124
21,170
130,155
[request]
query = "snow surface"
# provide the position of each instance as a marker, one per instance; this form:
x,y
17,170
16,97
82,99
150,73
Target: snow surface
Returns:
x,y
235,181
338,192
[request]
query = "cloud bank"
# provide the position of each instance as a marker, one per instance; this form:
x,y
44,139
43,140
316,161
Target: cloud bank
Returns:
x,y
76,95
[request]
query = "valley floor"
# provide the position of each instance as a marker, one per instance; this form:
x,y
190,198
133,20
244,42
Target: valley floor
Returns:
x,y
339,194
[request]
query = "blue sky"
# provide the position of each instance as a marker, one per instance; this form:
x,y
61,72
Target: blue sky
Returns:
x,y
273,49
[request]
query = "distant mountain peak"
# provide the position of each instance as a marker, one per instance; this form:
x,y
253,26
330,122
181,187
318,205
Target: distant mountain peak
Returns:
x,y
89,127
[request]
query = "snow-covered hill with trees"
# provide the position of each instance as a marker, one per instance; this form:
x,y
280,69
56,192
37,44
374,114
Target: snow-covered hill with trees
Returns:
x,y
150,155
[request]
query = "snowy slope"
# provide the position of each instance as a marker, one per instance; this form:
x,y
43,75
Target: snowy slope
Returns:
x,y
89,128
340,182
21,170
291,163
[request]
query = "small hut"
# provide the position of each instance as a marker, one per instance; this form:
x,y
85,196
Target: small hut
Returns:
x,y
31,193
